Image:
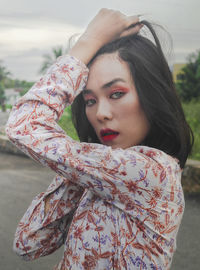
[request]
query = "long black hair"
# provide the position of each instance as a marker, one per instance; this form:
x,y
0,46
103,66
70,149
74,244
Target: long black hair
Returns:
x,y
169,130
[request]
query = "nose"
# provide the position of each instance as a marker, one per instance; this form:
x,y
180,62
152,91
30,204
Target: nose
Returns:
x,y
104,111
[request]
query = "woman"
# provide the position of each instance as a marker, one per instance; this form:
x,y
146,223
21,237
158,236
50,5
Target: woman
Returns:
x,y
122,183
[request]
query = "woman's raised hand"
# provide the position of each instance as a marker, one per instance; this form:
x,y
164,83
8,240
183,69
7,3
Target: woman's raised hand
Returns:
x,y
108,25
105,27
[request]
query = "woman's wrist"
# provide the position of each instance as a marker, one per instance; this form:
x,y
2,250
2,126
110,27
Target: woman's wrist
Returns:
x,y
85,49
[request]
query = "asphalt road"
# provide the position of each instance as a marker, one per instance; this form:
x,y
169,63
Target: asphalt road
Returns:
x,y
22,178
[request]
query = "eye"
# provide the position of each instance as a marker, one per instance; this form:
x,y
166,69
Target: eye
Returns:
x,y
117,94
90,102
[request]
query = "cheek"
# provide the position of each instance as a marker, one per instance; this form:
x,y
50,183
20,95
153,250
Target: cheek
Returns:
x,y
129,108
133,112
89,115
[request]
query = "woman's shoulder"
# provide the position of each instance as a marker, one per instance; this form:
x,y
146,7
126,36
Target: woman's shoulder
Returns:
x,y
154,153
158,156
134,155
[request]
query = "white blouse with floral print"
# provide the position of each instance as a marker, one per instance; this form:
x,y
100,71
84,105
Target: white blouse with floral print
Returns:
x,y
127,205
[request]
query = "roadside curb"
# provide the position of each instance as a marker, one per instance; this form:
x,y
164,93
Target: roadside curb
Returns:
x,y
7,147
191,177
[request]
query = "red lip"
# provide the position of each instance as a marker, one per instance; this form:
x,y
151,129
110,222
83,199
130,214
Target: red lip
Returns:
x,y
108,134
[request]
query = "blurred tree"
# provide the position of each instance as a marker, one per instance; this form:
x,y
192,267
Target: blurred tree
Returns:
x,y
3,75
49,59
17,83
9,83
3,72
188,83
24,86
2,97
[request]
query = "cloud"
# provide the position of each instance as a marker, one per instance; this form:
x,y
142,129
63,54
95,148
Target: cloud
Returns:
x,y
27,25
22,48
17,39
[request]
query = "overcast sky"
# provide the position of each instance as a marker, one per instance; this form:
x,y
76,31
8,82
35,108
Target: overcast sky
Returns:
x,y
29,29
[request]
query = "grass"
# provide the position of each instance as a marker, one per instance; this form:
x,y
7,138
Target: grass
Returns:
x,y
8,106
66,124
192,113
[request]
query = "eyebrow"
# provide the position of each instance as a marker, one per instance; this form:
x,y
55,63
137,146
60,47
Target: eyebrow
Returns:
x,y
105,86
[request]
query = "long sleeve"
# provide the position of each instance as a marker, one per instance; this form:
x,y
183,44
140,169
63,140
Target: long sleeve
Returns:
x,y
38,234
141,181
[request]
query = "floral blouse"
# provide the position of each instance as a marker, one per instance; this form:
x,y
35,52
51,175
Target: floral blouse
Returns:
x,y
126,205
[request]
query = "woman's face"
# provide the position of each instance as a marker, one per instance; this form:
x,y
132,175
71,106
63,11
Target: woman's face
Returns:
x,y
112,103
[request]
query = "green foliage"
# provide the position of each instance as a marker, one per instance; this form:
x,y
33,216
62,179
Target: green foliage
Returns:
x,y
22,84
25,86
192,113
2,92
3,72
188,84
7,82
8,106
2,96
66,124
3,75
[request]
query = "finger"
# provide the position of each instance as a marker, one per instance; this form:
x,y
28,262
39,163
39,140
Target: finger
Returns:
x,y
132,20
132,30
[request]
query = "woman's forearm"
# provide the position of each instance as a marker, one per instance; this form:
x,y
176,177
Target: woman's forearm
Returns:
x,y
84,50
